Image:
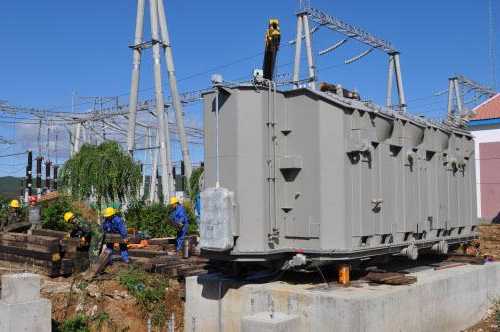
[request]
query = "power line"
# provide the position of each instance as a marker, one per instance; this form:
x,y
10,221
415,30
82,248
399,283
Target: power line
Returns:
x,y
13,154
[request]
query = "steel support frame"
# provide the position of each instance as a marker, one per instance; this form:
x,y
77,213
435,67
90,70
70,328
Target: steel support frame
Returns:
x,y
395,70
303,30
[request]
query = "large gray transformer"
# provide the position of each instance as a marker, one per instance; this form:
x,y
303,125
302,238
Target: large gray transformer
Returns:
x,y
334,178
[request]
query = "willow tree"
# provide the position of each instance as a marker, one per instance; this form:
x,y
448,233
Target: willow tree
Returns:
x,y
103,172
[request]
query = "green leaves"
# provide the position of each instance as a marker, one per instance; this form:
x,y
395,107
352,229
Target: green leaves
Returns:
x,y
104,172
154,219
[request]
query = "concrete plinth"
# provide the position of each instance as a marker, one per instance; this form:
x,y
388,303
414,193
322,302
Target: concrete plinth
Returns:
x,y
269,322
21,308
445,300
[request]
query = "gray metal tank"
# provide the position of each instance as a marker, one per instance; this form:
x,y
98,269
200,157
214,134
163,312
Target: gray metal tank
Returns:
x,y
335,178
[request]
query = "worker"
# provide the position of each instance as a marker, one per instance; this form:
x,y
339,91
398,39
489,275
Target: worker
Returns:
x,y
180,220
89,234
13,215
114,224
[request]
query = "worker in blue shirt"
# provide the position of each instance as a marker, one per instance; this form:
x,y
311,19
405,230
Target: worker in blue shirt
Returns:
x,y
114,224
180,219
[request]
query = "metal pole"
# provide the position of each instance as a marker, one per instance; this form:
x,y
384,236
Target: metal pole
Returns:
x,y
399,80
171,184
389,81
154,170
310,60
85,137
172,80
160,102
146,154
298,51
459,98
217,140
450,98
134,85
77,138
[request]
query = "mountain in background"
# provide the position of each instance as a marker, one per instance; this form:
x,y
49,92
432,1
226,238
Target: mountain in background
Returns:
x,y
10,187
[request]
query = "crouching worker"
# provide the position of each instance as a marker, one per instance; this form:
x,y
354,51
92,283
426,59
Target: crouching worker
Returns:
x,y
13,214
180,220
88,233
114,224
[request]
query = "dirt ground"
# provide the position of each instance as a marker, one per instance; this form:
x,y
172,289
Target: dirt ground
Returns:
x,y
488,324
104,299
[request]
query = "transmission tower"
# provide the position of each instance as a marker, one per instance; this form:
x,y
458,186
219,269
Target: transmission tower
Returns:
x,y
160,40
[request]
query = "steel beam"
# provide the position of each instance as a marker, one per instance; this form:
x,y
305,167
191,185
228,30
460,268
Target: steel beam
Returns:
x,y
298,51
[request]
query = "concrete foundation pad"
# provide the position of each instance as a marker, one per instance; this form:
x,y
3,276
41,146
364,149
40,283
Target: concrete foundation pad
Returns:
x,y
21,287
445,300
32,316
269,322
21,308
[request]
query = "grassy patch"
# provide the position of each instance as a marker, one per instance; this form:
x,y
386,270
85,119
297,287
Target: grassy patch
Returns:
x,y
149,291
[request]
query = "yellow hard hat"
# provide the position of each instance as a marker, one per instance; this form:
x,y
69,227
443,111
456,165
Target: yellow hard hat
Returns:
x,y
174,200
14,204
68,216
108,212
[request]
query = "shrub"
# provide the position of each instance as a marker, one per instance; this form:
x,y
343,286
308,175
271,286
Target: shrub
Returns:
x,y
79,323
154,219
148,290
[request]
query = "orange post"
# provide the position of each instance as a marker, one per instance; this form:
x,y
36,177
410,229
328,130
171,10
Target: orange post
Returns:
x,y
344,271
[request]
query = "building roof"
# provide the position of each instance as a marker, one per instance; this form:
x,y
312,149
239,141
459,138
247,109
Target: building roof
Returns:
x,y
490,109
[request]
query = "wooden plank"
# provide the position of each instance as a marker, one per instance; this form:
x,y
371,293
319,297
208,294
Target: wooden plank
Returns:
x,y
146,253
52,269
41,241
113,238
390,278
48,256
17,226
48,232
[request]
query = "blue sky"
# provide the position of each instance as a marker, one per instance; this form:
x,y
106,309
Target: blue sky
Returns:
x,y
53,48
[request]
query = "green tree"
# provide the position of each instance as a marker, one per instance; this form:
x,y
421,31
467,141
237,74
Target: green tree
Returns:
x,y
103,172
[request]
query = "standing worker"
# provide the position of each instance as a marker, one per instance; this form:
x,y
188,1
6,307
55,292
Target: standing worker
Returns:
x,y
89,234
13,215
181,221
114,224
